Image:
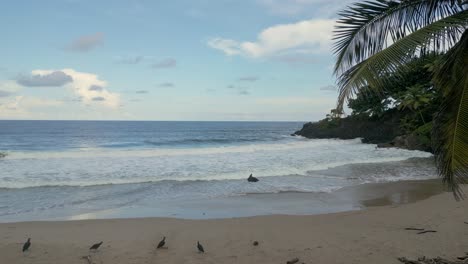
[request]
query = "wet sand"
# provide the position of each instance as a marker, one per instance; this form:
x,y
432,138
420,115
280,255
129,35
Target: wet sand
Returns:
x,y
374,235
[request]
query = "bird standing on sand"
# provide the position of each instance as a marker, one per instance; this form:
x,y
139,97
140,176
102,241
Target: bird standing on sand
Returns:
x,y
200,248
95,246
27,245
162,243
252,179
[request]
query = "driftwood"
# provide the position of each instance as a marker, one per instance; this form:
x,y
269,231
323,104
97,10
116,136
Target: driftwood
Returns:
x,y
426,231
292,261
423,231
437,260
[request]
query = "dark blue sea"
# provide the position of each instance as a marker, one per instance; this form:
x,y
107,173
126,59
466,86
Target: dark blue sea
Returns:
x,y
60,169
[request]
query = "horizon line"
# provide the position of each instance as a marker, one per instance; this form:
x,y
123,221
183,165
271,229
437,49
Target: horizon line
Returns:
x,y
142,120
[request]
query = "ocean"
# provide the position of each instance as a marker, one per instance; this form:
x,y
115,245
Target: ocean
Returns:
x,y
81,169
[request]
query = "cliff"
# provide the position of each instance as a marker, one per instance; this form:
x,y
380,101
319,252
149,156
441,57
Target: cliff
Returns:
x,y
385,131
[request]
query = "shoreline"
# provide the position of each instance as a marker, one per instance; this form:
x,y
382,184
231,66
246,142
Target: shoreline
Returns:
x,y
349,198
374,235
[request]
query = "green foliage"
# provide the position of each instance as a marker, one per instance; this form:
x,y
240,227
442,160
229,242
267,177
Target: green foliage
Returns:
x,y
424,133
414,98
376,43
369,104
332,120
450,131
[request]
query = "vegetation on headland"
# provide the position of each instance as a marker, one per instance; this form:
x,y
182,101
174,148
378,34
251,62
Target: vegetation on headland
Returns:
x,y
379,43
399,116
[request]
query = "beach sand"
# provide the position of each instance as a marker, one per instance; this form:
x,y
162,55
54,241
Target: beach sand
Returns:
x,y
373,235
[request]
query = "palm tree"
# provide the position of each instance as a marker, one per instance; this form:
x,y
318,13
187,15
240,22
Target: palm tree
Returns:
x,y
414,98
377,38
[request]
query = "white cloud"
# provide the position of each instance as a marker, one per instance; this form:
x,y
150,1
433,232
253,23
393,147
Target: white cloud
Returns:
x,y
9,86
88,87
23,106
308,36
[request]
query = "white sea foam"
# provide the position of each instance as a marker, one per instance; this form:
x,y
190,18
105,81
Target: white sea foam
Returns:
x,y
87,167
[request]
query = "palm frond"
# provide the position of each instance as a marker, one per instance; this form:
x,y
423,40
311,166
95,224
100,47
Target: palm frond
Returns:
x,y
450,132
367,27
372,71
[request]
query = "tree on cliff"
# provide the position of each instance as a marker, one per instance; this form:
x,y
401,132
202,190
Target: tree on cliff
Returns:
x,y
378,38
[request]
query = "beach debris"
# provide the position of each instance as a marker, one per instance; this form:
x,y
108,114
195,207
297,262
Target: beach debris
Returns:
x,y
255,243
426,231
95,246
27,245
466,223
252,179
200,248
414,228
162,243
292,261
422,230
424,260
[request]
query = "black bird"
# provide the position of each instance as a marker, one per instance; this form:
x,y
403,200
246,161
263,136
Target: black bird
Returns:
x,y
252,179
200,248
27,245
95,246
162,242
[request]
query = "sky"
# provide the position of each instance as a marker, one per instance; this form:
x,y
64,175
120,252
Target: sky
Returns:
x,y
231,60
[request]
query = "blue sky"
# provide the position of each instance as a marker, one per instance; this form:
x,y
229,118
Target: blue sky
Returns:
x,y
167,60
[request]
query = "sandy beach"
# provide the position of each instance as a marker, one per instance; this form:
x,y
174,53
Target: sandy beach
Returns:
x,y
373,235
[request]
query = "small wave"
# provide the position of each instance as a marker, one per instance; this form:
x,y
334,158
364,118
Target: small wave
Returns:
x,y
94,167
205,141
247,148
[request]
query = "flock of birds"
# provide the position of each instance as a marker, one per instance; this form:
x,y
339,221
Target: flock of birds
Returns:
x,y
96,246
161,244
